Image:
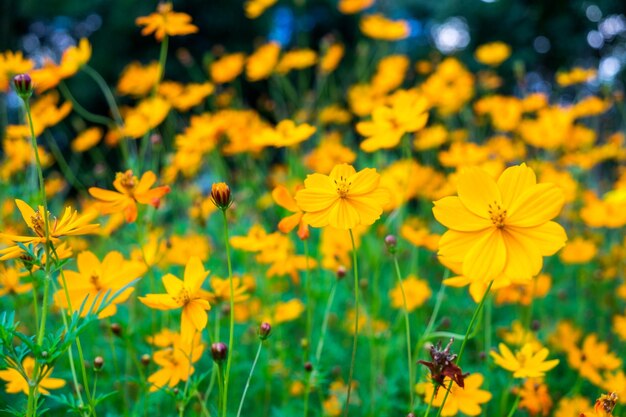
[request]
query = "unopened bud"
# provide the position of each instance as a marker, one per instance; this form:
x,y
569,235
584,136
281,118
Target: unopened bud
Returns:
x,y
98,362
391,241
308,366
341,272
116,329
145,359
23,86
220,195
265,329
219,351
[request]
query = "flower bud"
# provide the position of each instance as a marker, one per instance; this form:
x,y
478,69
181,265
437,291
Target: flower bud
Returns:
x,y
116,329
308,366
265,329
98,363
219,351
341,272
410,415
145,359
23,86
391,241
220,195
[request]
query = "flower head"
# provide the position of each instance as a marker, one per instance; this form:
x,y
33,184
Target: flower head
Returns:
x,y
466,399
343,199
220,195
16,382
526,363
442,366
166,22
500,228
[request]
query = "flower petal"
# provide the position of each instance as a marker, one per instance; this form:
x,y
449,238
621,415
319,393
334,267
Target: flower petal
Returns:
x,y
316,199
344,215
536,206
477,190
283,198
195,274
451,212
514,181
363,181
547,238
486,260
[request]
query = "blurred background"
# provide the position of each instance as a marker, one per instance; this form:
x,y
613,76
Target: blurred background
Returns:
x,y
545,35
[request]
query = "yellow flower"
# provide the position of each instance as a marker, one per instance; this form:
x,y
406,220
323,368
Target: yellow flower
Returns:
x,y
534,397
526,363
227,68
138,80
148,114
166,22
184,97
286,133
185,294
16,382
262,62
255,8
70,224
296,59
175,362
329,152
576,75
493,53
87,139
353,6
377,26
285,199
500,228
129,191
10,281
416,290
449,87
74,58
221,290
331,58
95,279
578,251
593,358
466,400
390,73
287,311
407,112
11,64
575,406
344,199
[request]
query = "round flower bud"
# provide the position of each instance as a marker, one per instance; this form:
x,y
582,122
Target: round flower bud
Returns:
x,y
391,241
219,351
341,272
98,362
308,366
145,359
265,329
23,86
116,329
220,195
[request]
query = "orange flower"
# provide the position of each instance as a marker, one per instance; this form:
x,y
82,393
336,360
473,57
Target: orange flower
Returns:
x,y
377,26
185,294
283,198
130,191
166,22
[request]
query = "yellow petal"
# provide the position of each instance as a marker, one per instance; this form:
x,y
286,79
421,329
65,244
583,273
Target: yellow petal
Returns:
x,y
87,262
522,261
451,212
486,260
316,199
477,190
194,274
159,301
318,218
514,181
369,208
27,212
172,284
547,238
283,198
343,215
455,245
363,182
536,206
341,171
289,223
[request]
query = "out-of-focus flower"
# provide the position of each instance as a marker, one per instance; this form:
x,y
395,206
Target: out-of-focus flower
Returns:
x,y
449,87
377,26
526,363
16,382
138,80
534,397
354,6
262,62
11,64
295,60
416,290
87,139
331,58
329,153
227,68
10,281
576,75
466,400
255,8
283,198
493,53
166,22
175,362
578,251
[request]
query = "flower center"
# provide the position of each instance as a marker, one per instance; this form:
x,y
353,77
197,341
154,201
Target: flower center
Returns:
x,y
127,180
39,224
343,186
183,297
497,215
95,281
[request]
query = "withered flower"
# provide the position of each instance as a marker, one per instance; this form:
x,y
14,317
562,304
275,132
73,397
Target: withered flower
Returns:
x,y
442,366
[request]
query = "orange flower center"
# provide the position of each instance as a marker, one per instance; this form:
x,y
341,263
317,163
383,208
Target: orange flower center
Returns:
x,y
343,186
127,180
183,297
95,281
39,224
497,215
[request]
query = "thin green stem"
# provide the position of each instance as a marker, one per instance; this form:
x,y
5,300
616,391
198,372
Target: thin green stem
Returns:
x,y
516,403
430,403
309,299
83,112
232,316
329,304
408,332
467,333
245,390
356,322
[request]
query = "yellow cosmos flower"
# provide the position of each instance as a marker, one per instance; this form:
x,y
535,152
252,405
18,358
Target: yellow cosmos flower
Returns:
x,y
287,311
94,279
138,80
576,75
344,199
221,290
184,97
70,224
500,229
87,139
175,362
166,22
11,64
578,251
262,62
16,382
227,68
129,192
377,26
407,112
255,8
526,363
185,294
466,400
416,290
493,53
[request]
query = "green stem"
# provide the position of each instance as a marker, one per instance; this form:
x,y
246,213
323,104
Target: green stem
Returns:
x,y
467,333
83,112
245,390
232,315
329,304
408,332
516,403
430,403
356,322
309,299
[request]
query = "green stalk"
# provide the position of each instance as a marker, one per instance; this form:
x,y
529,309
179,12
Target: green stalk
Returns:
x,y
245,390
408,333
232,316
465,339
430,403
516,403
356,322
